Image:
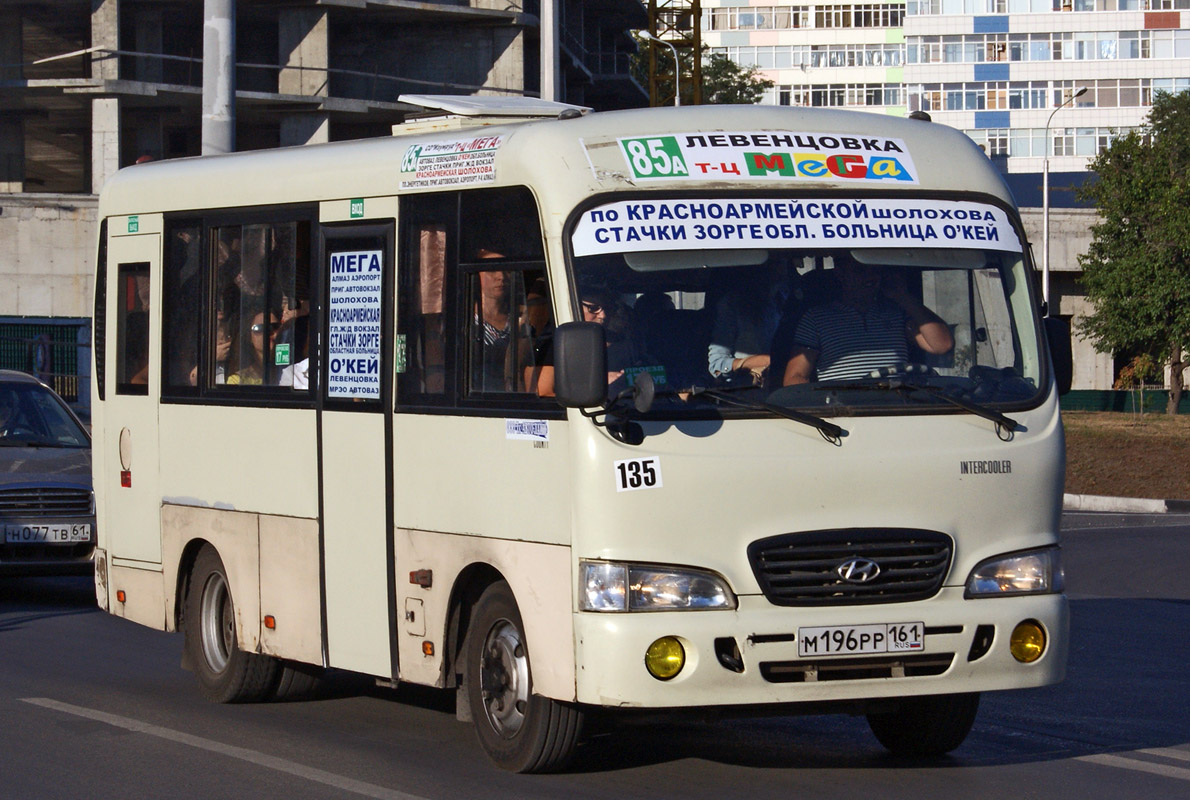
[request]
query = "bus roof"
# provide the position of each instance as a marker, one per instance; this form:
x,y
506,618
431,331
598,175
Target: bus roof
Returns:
x,y
566,160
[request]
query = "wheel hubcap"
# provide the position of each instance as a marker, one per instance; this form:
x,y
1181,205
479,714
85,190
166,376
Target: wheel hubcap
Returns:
x,y
217,623
504,679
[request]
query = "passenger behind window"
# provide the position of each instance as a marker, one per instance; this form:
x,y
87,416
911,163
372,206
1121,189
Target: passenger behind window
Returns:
x,y
598,305
746,319
536,332
869,327
255,348
492,322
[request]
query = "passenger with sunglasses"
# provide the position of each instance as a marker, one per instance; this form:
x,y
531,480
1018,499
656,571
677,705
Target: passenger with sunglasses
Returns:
x,y
597,305
253,348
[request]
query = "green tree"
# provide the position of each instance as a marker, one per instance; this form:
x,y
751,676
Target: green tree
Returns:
x,y
723,80
1137,270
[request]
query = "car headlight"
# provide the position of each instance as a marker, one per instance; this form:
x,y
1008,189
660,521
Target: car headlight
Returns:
x,y
607,586
1032,572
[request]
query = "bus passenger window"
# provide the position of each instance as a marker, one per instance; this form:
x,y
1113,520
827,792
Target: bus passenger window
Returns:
x,y
426,326
261,333
182,300
132,329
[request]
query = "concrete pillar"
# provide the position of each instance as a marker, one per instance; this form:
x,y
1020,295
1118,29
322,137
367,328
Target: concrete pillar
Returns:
x,y
12,156
105,112
550,85
218,77
304,55
148,33
105,32
105,140
508,61
304,45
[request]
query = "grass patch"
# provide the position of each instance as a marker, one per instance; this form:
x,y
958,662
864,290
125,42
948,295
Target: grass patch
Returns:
x,y
1128,455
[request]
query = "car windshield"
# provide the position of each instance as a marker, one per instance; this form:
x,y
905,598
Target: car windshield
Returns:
x,y
32,416
923,304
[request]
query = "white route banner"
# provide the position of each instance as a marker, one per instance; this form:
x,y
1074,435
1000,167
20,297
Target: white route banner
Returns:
x,y
643,225
454,163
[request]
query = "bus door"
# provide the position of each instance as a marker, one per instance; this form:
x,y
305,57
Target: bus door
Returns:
x,y
132,523
355,448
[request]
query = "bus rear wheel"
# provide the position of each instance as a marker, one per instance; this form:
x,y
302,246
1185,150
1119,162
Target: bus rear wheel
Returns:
x,y
922,727
226,674
520,731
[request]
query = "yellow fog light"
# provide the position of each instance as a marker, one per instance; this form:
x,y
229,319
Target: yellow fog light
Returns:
x,y
665,658
1027,642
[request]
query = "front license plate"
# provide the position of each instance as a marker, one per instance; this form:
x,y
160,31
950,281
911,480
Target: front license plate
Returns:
x,y
47,534
848,640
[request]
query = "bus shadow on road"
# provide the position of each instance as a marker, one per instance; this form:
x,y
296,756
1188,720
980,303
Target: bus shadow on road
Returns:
x,y
1125,690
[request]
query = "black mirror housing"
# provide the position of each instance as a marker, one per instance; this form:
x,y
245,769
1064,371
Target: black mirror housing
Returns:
x,y
1057,334
580,365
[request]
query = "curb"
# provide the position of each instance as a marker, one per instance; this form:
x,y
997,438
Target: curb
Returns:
x,y
1125,505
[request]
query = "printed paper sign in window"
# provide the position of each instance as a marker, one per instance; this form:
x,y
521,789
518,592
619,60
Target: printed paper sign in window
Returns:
x,y
353,351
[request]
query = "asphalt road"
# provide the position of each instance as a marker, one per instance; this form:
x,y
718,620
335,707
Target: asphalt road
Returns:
x,y
92,706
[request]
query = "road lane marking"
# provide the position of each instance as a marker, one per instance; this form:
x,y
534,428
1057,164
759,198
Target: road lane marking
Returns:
x,y
1179,753
340,782
1137,765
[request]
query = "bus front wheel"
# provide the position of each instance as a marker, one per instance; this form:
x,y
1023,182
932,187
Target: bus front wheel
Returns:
x,y
926,726
519,731
226,674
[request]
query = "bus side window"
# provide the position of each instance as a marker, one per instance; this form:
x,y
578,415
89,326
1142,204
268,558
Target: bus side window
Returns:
x,y
260,332
182,307
426,330
132,329
501,254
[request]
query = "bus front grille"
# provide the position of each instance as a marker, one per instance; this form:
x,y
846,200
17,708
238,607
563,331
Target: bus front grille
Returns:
x,y
851,566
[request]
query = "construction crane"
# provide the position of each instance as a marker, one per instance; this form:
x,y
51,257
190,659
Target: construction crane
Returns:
x,y
675,43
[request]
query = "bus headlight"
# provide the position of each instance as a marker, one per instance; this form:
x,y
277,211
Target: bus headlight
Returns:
x,y
608,586
1032,572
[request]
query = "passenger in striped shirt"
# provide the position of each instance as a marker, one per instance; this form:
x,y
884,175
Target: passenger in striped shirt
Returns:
x,y
870,326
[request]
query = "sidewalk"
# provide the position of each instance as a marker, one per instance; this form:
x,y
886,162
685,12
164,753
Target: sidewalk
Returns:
x,y
1124,505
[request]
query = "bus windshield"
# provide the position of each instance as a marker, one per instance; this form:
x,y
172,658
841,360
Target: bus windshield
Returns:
x,y
795,305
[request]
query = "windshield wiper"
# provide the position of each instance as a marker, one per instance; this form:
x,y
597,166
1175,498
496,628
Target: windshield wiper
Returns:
x,y
898,384
829,430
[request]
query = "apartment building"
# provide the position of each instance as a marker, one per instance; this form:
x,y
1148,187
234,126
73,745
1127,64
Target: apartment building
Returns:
x,y
820,54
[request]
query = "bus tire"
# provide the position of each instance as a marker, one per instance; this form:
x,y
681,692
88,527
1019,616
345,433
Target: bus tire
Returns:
x,y
520,731
926,726
226,674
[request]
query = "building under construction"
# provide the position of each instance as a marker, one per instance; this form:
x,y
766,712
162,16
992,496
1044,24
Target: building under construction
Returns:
x,y
90,86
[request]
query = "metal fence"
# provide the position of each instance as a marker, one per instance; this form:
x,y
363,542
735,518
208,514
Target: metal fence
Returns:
x,y
51,352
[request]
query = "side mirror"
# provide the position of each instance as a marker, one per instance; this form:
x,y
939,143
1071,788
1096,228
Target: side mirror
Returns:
x,y
1057,334
580,365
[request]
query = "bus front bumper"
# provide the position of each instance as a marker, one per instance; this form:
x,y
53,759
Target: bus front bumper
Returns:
x,y
749,656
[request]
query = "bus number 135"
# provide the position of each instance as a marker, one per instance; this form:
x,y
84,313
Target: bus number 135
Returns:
x,y
638,473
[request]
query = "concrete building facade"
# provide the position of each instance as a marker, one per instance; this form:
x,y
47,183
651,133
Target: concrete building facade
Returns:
x,y
90,86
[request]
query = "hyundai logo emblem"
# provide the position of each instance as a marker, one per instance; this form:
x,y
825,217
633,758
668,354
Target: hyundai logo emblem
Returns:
x,y
858,570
